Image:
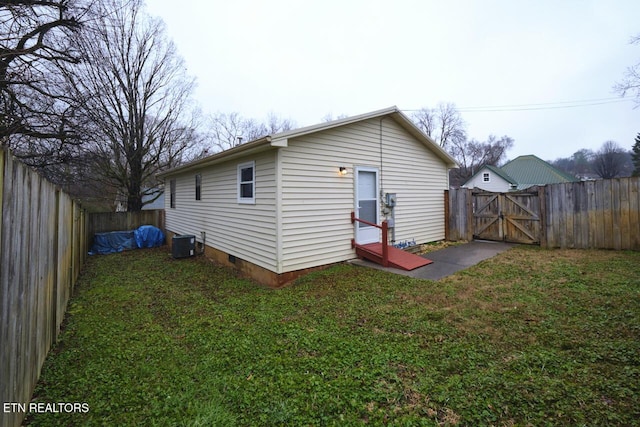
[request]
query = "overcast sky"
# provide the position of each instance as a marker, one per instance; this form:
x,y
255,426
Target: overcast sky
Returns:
x,y
539,71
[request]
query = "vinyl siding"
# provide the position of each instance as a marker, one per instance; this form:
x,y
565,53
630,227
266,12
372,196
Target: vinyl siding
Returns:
x,y
419,179
496,183
317,202
243,230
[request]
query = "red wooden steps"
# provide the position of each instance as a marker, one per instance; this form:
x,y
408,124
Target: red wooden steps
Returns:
x,y
397,258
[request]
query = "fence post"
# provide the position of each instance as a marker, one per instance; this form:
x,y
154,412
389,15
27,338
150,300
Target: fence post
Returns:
x,y
543,216
56,269
468,198
5,391
447,232
2,156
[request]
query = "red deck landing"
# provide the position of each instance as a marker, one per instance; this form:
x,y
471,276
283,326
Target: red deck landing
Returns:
x,y
397,258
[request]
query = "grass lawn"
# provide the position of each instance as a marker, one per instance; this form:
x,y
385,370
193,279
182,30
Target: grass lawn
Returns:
x,y
530,337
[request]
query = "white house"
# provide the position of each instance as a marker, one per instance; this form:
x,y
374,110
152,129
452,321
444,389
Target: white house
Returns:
x,y
157,203
491,178
281,205
517,174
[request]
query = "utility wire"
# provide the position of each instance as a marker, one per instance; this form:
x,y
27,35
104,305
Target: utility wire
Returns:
x,y
547,106
540,106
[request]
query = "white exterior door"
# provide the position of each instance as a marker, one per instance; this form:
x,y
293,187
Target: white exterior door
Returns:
x,y
366,205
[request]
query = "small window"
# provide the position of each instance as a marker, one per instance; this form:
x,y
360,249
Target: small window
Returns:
x,y
198,186
485,177
172,193
246,183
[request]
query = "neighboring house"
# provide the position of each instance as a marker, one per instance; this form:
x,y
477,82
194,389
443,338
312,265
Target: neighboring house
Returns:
x,y
518,174
158,203
491,178
281,205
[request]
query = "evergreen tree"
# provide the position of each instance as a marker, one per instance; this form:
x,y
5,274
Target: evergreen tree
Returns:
x,y
635,156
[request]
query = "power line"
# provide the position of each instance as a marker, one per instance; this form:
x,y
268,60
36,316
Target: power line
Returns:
x,y
540,106
556,102
545,106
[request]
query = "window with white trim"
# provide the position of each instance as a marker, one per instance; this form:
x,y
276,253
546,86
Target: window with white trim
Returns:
x,y
247,183
485,177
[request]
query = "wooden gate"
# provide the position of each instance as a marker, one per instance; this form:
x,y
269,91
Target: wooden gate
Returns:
x,y
510,217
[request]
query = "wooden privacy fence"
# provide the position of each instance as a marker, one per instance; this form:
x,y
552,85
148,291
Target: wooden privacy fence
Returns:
x,y
602,214
43,244
103,222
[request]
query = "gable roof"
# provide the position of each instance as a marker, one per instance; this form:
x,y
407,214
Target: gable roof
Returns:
x,y
502,174
530,170
281,140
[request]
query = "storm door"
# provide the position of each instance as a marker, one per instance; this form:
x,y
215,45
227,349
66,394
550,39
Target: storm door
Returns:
x,y
366,205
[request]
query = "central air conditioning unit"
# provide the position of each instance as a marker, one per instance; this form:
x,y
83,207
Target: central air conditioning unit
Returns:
x,y
183,246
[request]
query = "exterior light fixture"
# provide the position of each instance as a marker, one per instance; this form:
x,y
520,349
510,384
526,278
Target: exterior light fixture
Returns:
x,y
343,170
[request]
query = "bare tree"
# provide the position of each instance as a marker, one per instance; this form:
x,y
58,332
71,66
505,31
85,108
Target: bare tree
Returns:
x,y
228,130
443,124
276,124
329,117
37,117
472,155
630,83
579,164
582,160
136,99
609,161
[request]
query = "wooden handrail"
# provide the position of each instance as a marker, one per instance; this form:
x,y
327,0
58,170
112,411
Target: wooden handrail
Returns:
x,y
385,236
354,219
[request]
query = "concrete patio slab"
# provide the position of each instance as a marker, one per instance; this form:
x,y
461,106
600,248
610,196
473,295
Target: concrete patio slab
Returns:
x,y
449,260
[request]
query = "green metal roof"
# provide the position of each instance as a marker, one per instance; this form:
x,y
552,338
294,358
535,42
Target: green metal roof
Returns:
x,y
530,170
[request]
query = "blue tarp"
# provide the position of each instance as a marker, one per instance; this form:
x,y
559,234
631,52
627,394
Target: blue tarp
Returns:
x,y
115,241
146,236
